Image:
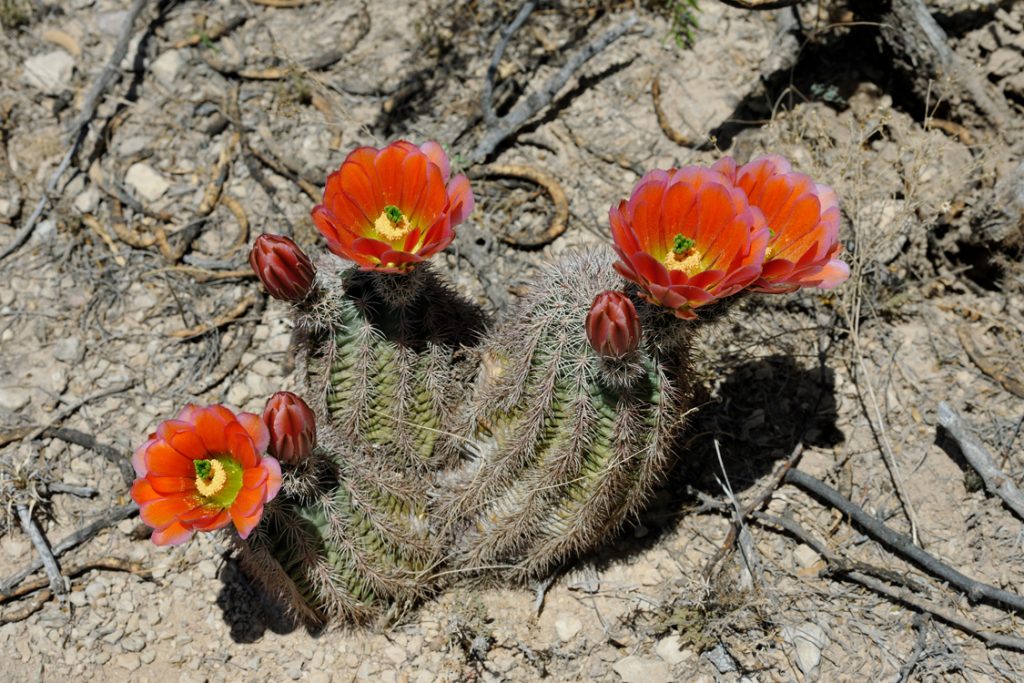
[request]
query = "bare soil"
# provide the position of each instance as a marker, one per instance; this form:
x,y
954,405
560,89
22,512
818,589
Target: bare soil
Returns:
x,y
95,314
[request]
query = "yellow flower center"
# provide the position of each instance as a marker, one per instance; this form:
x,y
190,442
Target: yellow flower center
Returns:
x,y
684,256
210,477
391,224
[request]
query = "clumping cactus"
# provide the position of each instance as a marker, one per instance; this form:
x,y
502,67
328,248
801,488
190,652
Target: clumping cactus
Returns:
x,y
426,442
568,441
384,350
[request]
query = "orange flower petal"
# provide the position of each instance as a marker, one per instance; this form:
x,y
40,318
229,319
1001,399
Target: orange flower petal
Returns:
x,y
164,461
163,512
174,534
257,430
170,485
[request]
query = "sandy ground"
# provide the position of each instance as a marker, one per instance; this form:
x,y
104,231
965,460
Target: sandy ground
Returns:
x,y
87,314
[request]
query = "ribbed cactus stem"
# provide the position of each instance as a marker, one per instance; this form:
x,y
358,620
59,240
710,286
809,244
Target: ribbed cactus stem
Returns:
x,y
567,443
390,376
350,548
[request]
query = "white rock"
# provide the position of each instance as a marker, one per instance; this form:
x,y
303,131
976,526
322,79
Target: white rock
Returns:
x,y
111,22
68,349
50,72
13,398
567,627
146,182
634,669
805,556
87,200
166,66
395,653
16,548
670,648
809,640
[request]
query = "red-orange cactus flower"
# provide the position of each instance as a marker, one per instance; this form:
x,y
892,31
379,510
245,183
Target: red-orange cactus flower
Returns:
x,y
203,470
687,237
613,326
283,268
292,427
803,217
392,208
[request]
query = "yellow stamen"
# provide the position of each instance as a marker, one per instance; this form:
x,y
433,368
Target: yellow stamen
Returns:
x,y
392,225
689,261
212,484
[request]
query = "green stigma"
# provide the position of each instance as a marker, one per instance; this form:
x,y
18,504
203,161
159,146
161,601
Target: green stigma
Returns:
x,y
203,468
771,234
681,244
393,213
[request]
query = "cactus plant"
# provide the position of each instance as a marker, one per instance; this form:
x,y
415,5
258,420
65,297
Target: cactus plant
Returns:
x,y
567,442
385,358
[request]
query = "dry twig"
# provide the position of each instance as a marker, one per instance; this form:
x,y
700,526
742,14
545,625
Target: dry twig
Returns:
x,y
499,50
212,34
842,569
79,126
115,564
56,580
670,132
220,321
979,458
903,546
554,190
509,124
740,516
73,540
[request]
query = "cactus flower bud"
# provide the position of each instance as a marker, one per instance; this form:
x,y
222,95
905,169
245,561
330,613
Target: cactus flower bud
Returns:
x,y
613,327
292,427
282,267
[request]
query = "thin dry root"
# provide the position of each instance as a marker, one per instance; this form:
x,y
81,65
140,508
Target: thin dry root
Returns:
x,y
553,188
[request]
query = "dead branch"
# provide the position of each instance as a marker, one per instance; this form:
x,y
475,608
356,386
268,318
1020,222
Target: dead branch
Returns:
x,y
204,275
220,321
666,127
211,195
55,578
998,483
97,227
79,126
740,516
284,170
230,360
214,33
73,540
991,368
901,545
1000,218
499,51
76,437
115,564
841,569
509,125
28,610
921,50
554,190
80,491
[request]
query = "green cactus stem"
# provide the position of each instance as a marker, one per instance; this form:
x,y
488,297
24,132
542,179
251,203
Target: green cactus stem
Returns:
x,y
566,444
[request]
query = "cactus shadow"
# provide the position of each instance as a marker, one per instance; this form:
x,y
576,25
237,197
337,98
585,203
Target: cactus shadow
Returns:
x,y
248,610
758,415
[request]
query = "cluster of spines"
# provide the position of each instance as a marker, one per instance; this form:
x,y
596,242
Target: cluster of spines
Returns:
x,y
568,443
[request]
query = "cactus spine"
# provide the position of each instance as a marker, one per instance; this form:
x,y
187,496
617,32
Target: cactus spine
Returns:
x,y
385,366
567,443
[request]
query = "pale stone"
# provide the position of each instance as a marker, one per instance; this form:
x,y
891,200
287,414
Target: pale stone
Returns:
x,y
805,556
634,669
808,639
670,648
50,72
146,182
567,627
167,65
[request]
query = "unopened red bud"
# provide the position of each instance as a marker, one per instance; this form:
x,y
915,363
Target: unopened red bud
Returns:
x,y
292,427
613,327
282,267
